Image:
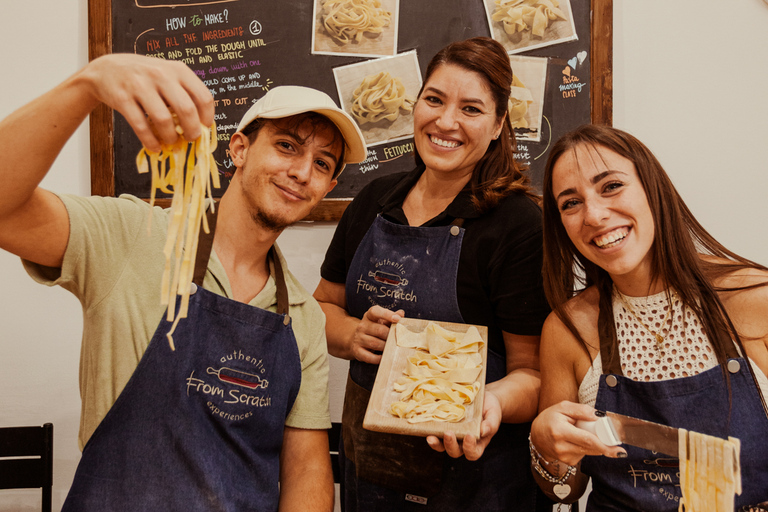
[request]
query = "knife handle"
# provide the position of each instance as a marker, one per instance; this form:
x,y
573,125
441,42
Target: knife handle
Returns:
x,y
602,428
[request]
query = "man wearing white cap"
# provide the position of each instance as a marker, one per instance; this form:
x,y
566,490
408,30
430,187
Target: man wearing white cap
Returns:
x,y
242,402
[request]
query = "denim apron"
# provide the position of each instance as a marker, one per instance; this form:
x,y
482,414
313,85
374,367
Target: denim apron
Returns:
x,y
199,428
650,482
415,268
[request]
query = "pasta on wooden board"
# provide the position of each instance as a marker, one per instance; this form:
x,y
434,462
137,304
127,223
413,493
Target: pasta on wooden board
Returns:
x,y
441,376
187,170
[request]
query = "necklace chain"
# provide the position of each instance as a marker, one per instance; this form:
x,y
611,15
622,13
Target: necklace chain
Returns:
x,y
656,334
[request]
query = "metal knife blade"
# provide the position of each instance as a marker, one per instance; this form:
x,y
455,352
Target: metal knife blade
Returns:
x,y
646,434
615,428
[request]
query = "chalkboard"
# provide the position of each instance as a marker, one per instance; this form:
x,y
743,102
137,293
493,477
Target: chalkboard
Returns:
x,y
241,48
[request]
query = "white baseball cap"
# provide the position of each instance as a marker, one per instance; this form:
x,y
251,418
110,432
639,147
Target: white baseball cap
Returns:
x,y
290,100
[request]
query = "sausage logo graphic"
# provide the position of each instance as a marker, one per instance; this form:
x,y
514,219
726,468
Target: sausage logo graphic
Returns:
x,y
246,380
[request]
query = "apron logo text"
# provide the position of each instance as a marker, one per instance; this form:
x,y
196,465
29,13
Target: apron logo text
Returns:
x,y
254,401
200,386
233,417
668,495
650,476
234,396
384,292
238,355
395,265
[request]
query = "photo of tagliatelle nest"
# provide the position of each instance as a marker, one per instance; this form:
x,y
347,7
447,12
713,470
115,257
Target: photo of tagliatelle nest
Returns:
x,y
355,27
349,20
380,95
431,379
526,24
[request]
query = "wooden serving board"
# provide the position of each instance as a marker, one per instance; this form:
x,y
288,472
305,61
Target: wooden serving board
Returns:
x,y
393,362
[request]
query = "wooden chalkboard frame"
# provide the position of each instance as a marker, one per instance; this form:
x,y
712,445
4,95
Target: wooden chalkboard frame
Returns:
x,y
102,126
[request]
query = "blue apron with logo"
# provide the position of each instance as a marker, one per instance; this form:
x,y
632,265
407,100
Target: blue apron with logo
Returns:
x,y
415,269
650,482
199,428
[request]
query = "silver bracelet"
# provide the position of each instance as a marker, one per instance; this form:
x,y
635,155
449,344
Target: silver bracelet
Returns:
x,y
537,459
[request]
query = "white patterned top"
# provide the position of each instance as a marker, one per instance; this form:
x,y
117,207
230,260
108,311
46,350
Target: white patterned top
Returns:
x,y
685,349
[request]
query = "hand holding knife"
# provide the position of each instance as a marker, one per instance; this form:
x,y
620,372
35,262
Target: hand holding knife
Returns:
x,y
614,429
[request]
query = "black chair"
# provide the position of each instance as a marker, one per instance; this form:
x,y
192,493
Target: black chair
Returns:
x,y
334,435
26,459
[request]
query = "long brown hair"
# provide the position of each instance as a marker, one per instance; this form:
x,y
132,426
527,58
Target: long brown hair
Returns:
x,y
676,254
496,174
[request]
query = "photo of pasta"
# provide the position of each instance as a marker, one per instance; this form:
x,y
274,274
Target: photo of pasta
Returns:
x,y
380,97
526,101
355,27
379,94
522,25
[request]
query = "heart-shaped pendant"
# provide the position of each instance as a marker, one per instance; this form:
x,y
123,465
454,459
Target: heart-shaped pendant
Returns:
x,y
562,490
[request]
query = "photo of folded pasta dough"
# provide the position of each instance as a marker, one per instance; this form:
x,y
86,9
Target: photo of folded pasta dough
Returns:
x,y
525,107
348,21
441,376
378,97
527,15
520,99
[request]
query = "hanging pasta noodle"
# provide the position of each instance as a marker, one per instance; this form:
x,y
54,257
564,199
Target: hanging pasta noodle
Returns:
x,y
187,170
710,472
380,97
521,15
441,375
348,20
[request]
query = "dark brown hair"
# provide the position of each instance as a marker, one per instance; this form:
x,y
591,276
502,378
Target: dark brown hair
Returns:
x,y
294,123
676,254
496,174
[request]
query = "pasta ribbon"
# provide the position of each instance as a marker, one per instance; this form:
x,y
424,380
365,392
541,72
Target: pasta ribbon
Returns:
x,y
348,20
522,15
187,170
520,99
441,376
378,97
710,472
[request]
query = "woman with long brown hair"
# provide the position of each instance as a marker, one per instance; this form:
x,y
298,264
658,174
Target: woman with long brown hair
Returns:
x,y
462,234
652,318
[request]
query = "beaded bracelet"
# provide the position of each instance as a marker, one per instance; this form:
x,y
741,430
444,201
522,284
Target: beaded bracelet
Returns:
x,y
561,489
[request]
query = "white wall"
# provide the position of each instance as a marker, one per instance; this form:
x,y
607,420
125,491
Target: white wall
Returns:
x,y
689,79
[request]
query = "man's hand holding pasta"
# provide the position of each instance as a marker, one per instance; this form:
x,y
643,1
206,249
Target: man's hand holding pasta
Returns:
x,y
153,95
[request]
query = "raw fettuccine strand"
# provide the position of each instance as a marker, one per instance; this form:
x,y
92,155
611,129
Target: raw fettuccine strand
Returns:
x,y
187,170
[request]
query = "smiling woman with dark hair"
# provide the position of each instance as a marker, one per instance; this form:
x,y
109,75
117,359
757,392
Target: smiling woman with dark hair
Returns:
x,y
462,234
649,311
